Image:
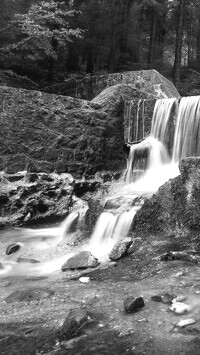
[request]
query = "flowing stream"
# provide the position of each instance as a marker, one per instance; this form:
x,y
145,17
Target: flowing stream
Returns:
x,y
175,133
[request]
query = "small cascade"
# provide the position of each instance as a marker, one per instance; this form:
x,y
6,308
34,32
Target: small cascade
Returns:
x,y
48,237
187,132
145,156
108,230
67,224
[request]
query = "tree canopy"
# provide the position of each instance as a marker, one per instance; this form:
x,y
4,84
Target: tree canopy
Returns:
x,y
61,38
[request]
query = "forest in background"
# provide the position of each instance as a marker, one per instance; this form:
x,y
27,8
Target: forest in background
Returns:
x,y
51,41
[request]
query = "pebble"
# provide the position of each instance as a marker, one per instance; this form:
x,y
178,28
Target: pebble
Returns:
x,y
179,308
84,279
185,322
180,273
142,320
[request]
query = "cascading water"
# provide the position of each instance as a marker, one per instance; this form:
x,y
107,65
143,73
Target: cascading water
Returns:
x,y
187,132
151,163
36,241
161,116
108,230
149,160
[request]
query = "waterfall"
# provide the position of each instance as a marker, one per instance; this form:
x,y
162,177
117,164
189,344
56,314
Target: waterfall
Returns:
x,y
187,132
161,115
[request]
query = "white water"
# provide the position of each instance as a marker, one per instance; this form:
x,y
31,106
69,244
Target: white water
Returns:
x,y
161,115
47,237
187,133
35,241
108,230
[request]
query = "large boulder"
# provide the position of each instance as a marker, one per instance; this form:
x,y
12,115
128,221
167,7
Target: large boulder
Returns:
x,y
172,215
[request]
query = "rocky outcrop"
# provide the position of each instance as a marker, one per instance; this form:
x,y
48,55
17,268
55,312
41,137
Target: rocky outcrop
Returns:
x,y
172,215
33,198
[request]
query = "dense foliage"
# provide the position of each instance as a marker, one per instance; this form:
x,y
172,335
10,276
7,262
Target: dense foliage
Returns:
x,y
51,39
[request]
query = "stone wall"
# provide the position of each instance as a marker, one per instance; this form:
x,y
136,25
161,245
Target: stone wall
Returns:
x,y
44,133
137,119
149,81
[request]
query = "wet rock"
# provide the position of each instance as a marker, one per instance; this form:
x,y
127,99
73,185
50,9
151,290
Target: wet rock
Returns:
x,y
13,248
73,324
32,177
120,249
3,198
29,295
117,202
165,298
81,260
82,187
46,199
133,304
15,177
27,260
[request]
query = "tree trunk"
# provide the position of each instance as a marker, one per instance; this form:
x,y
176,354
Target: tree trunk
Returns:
x,y
190,38
90,60
125,13
115,25
51,70
152,44
179,42
73,57
198,45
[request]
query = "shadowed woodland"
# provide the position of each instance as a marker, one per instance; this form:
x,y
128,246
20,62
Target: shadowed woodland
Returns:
x,y
52,41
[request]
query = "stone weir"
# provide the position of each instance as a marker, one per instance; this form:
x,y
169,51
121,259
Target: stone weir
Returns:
x,y
42,132
149,81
